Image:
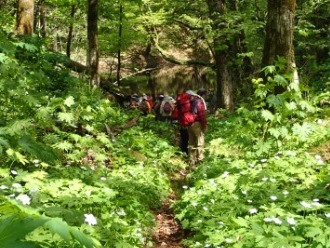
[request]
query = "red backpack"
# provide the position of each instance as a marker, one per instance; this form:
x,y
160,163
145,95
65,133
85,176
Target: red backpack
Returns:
x,y
185,113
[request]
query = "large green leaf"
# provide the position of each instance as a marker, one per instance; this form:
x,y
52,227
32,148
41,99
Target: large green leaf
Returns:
x,y
15,227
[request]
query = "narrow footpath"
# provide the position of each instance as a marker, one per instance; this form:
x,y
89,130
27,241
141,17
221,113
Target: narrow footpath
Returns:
x,y
168,232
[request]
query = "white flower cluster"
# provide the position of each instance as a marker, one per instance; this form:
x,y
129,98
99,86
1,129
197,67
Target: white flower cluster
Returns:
x,y
319,159
90,219
24,199
290,220
273,219
314,203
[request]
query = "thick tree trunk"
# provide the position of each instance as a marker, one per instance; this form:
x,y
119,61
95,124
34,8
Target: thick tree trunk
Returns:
x,y
69,42
92,36
279,34
25,17
225,98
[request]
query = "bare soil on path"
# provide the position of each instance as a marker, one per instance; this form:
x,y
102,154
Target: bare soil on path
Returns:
x,y
168,232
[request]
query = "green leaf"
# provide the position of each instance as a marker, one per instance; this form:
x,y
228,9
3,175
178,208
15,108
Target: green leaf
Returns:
x,y
56,225
69,101
302,131
65,146
267,115
3,58
28,47
275,100
67,117
241,222
269,69
280,80
14,228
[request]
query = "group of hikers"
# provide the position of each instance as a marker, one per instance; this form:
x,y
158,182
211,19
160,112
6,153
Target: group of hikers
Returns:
x,y
188,110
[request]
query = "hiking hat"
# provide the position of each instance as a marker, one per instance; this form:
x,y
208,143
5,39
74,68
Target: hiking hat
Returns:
x,y
201,91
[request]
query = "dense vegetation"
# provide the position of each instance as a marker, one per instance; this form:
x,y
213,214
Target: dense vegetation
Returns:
x,y
78,170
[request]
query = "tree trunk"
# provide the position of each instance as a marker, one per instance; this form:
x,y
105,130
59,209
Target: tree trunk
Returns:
x,y
119,41
43,20
69,42
92,36
279,34
25,17
225,98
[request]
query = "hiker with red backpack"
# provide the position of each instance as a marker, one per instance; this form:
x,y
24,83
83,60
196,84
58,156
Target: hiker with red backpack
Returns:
x,y
192,115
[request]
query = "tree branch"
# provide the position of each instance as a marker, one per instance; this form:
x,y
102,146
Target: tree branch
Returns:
x,y
176,60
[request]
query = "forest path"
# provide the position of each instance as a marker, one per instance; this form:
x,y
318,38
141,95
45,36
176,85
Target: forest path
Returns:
x,y
168,232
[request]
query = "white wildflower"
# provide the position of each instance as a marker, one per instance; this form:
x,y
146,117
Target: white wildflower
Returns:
x,y
88,192
273,180
90,219
273,197
212,182
185,187
225,174
13,172
121,212
264,179
277,221
205,209
244,192
264,160
327,215
83,168
199,221
267,219
3,187
194,204
316,204
36,161
212,201
318,157
316,200
249,201
103,178
306,204
276,157
228,240
251,165
16,185
319,121
253,211
291,221
24,199
220,223
285,192
291,153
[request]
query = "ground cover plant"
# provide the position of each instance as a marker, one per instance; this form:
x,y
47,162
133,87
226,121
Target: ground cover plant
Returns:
x,y
73,174
266,180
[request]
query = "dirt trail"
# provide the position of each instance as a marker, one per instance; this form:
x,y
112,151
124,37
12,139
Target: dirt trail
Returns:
x,y
168,233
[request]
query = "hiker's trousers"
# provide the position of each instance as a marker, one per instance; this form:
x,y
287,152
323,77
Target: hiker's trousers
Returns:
x,y
196,143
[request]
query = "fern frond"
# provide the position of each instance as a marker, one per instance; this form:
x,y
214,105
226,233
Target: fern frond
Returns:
x,y
42,152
